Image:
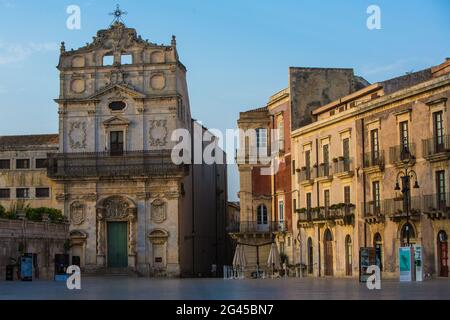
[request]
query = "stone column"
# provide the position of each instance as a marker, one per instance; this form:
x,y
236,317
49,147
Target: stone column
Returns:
x,y
100,238
132,238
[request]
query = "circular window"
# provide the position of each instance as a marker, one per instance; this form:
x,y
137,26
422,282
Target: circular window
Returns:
x,y
117,105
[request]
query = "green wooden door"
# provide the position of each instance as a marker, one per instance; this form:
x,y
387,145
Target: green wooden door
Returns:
x,y
117,245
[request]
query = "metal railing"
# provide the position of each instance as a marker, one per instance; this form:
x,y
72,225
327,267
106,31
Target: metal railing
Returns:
x,y
306,174
106,164
373,209
397,206
373,159
436,202
325,170
343,165
434,145
331,213
254,227
401,152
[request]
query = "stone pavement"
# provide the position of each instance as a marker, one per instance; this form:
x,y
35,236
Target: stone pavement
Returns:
x,y
119,287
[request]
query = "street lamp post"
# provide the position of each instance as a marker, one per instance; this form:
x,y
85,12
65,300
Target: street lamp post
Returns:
x,y
406,175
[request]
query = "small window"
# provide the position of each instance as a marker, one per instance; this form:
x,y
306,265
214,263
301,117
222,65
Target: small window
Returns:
x,y
126,59
22,193
5,193
23,164
5,164
117,106
42,192
41,163
108,60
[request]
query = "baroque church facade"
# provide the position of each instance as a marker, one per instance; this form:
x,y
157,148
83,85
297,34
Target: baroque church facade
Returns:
x,y
129,206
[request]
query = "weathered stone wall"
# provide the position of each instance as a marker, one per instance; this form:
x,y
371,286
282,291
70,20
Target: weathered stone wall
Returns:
x,y
42,238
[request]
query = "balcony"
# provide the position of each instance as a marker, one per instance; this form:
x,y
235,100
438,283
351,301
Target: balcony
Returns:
x,y
306,176
344,168
325,172
251,227
373,161
399,153
374,212
338,213
395,208
437,206
105,164
435,149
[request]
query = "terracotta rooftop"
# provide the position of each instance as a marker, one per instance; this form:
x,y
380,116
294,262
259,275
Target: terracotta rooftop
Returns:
x,y
29,140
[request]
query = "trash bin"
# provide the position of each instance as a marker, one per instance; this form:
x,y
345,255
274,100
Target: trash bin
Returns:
x,y
10,273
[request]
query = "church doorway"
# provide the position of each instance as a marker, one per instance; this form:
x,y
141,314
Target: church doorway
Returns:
x,y
117,245
328,252
443,254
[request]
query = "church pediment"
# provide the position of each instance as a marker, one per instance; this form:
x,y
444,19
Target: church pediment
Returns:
x,y
119,90
116,121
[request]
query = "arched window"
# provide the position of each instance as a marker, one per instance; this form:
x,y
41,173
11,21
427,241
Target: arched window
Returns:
x,y
407,228
348,255
261,214
328,235
378,245
310,256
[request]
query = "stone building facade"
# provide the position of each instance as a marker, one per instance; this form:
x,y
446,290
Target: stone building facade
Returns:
x,y
110,168
349,167
267,199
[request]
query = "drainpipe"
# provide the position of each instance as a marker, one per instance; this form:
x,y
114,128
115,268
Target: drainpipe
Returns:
x,y
318,204
364,183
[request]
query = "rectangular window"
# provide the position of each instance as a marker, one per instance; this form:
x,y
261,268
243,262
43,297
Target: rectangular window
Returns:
x,y
108,60
346,148
326,199
281,211
308,164
41,163
5,164
22,193
42,192
22,163
308,202
261,138
294,204
376,196
404,134
375,146
5,193
293,167
126,59
347,198
440,190
116,142
438,127
326,159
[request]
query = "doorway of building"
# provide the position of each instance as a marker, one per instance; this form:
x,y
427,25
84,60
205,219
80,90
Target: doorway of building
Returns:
x,y
117,245
443,253
348,255
328,252
310,256
378,245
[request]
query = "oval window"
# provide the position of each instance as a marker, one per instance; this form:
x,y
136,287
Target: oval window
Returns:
x,y
117,105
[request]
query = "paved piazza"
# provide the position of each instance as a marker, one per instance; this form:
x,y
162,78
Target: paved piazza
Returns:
x,y
118,287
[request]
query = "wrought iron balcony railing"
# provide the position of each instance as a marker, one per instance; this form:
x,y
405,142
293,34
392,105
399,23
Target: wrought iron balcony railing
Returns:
x,y
397,206
325,170
373,209
306,174
436,145
334,212
343,165
106,164
372,159
255,227
402,152
436,202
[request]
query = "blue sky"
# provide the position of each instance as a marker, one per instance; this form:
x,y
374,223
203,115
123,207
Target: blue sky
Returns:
x,y
237,52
